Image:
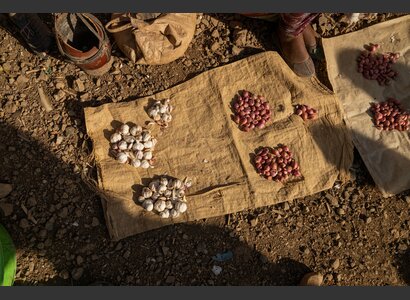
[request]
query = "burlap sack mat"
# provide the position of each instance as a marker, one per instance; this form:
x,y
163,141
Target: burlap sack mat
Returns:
x,y
385,153
204,144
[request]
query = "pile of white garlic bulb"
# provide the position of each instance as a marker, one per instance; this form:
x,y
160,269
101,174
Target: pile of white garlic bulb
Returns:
x,y
133,145
165,196
160,112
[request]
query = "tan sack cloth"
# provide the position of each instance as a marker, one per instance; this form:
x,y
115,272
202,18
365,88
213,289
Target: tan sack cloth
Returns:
x,y
385,153
155,41
204,144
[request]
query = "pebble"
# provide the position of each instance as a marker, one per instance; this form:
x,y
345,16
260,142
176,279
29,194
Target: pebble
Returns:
x,y
407,200
64,274
59,140
341,212
336,264
286,206
60,85
236,50
5,189
24,223
170,280
7,209
79,260
215,46
79,85
368,220
332,200
254,222
95,222
77,273
312,279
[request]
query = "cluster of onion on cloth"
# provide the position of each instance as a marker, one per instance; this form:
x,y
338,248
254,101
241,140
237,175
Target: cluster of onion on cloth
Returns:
x,y
133,145
377,66
305,112
277,164
251,111
390,115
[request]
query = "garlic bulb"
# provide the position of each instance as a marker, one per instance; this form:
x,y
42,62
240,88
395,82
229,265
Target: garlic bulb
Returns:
x,y
159,205
115,138
160,112
148,205
136,145
168,200
122,157
141,199
181,207
124,129
164,214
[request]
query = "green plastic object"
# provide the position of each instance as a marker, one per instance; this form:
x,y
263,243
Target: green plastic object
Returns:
x,y
7,258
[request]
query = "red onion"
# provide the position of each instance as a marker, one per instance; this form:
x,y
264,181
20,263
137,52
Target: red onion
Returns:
x,y
390,115
305,112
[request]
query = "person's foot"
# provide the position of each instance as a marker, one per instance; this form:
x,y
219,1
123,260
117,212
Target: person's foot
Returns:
x,y
296,54
34,32
309,37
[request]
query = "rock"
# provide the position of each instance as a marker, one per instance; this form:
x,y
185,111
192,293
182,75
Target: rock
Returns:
x,y
170,280
77,273
6,67
21,80
407,200
239,38
165,250
236,50
402,247
312,279
368,220
215,33
79,85
24,224
254,222
95,222
286,206
7,209
60,85
340,211
59,140
79,260
64,274
63,213
215,46
42,234
332,200
5,189
336,264
85,97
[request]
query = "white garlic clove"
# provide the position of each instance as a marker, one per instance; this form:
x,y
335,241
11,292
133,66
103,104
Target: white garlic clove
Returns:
x,y
164,214
148,145
153,186
168,193
163,109
114,147
157,117
148,205
181,206
159,205
136,163
139,146
171,184
139,154
162,198
153,113
146,192
133,130
124,129
115,137
128,138
163,181
122,157
178,184
122,145
173,213
141,199
154,142
168,204
187,183
145,164
162,188
146,136
166,117
155,196
180,193
147,155
129,147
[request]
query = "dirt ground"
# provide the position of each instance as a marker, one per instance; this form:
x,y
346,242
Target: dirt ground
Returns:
x,y
351,234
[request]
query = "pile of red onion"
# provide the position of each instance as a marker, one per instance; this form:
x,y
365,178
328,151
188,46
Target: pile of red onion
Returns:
x,y
251,111
276,164
390,115
376,66
305,112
